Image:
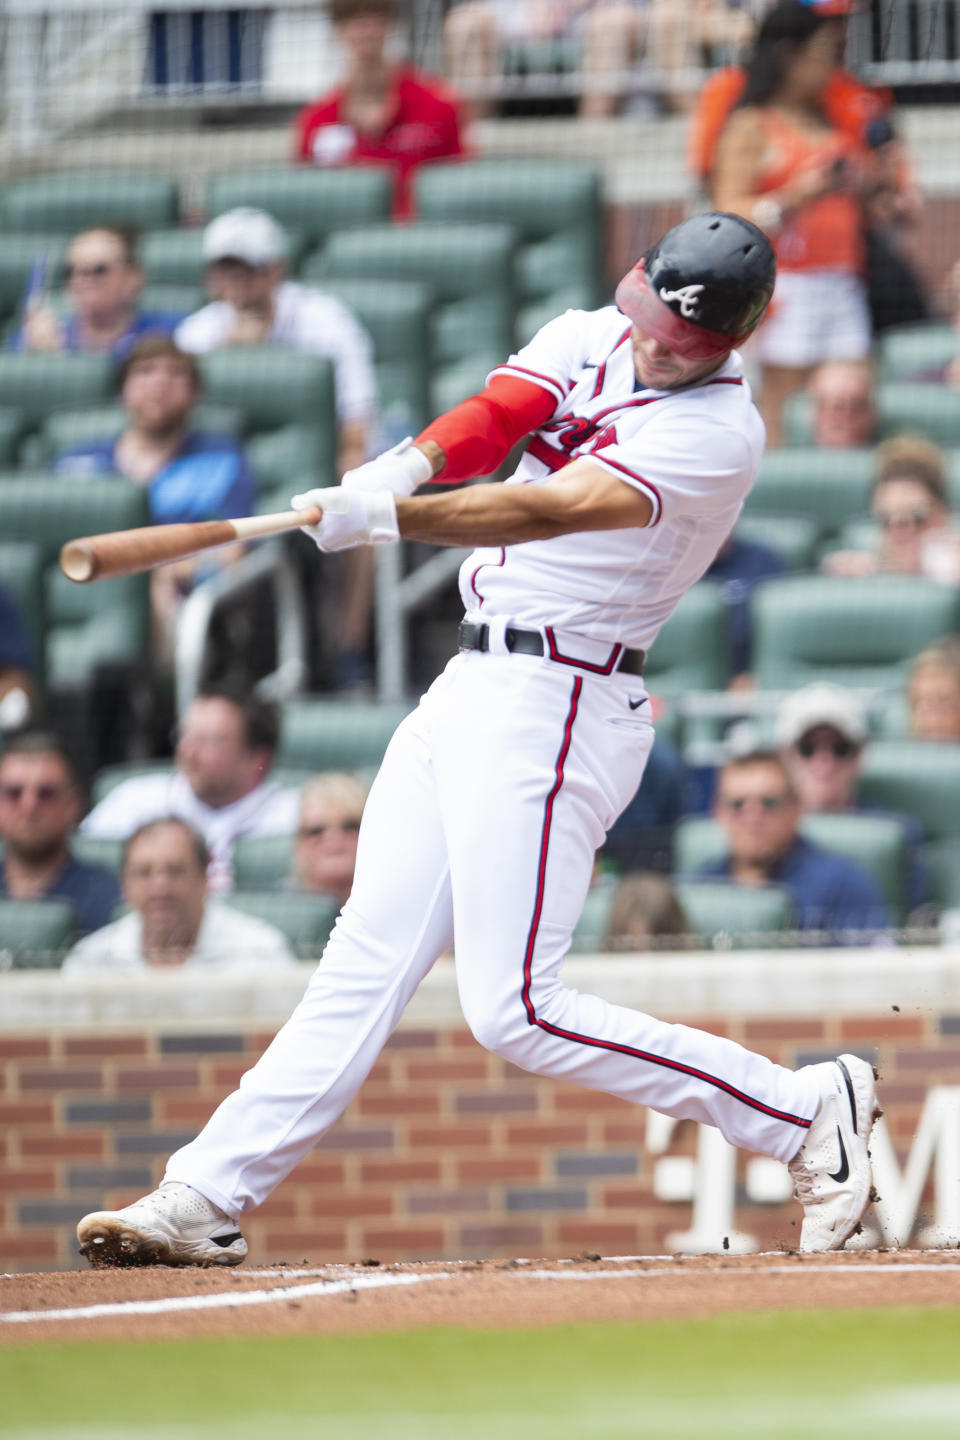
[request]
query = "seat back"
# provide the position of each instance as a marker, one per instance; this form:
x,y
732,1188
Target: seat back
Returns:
x,y
175,257
35,933
337,735
793,537
65,429
306,920
692,651
261,862
98,850
18,256
907,350
931,410
36,384
828,487
735,916
273,387
311,201
72,200
920,778
857,632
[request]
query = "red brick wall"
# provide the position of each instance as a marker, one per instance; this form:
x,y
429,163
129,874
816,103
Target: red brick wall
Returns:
x,y
447,1151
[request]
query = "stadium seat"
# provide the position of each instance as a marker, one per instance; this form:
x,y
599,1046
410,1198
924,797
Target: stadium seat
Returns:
x,y
876,843
88,625
11,425
828,487
66,428
589,936
284,461
793,537
175,257
920,778
692,651
261,862
337,734
469,268
74,200
735,916
942,861
37,384
311,201
907,350
305,919
556,207
930,410
98,850
18,255
21,574
396,315
35,933
861,633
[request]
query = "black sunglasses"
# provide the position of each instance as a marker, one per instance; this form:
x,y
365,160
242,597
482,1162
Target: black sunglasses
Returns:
x,y
46,794
839,748
89,272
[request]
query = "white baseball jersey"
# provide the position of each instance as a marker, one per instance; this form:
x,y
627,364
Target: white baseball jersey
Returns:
x,y
693,452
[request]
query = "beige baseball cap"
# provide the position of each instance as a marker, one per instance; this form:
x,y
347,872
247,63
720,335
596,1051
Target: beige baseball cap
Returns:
x,y
245,234
821,704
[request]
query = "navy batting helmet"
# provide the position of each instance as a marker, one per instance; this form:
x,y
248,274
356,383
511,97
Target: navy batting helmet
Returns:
x,y
704,287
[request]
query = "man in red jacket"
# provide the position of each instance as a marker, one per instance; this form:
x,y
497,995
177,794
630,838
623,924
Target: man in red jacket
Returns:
x,y
382,113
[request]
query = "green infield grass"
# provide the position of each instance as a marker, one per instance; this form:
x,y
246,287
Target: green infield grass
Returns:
x,y
791,1375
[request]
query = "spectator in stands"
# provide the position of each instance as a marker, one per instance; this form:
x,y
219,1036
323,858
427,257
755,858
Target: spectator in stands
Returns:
x,y
739,567
253,303
911,506
382,113
16,666
331,807
40,805
933,693
189,474
821,730
170,920
843,413
223,758
782,163
645,910
642,837
104,281
758,810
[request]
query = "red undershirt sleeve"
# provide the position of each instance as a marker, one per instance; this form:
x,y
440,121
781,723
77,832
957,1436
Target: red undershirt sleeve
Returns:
x,y
479,434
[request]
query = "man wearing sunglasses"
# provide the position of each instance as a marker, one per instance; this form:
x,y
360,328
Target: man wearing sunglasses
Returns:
x,y
104,279
759,812
40,805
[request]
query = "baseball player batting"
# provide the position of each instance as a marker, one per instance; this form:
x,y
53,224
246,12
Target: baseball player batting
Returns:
x,y
494,794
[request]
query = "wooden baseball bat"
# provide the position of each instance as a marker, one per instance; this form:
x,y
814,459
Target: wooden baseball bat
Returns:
x,y
128,552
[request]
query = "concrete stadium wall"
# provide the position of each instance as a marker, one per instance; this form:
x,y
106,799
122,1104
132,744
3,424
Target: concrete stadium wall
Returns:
x,y
449,1151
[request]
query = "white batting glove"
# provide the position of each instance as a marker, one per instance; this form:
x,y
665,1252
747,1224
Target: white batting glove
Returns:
x,y
349,519
400,470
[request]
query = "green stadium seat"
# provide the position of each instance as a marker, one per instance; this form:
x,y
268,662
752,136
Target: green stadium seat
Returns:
x,y
272,387
287,460
11,426
37,384
98,850
828,487
262,862
175,257
589,936
692,651
929,410
88,625
396,315
337,734
861,633
305,919
942,861
793,537
920,778
735,916
66,428
21,574
35,933
875,842
74,200
469,268
313,202
554,205
908,350
18,254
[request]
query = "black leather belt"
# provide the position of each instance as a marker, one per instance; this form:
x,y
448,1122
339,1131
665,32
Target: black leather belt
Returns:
x,y
471,636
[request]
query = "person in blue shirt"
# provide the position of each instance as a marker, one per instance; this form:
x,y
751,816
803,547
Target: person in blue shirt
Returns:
x,y
189,475
40,804
104,280
759,813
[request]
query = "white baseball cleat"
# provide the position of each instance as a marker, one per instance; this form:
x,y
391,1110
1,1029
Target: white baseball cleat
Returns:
x,y
174,1225
831,1170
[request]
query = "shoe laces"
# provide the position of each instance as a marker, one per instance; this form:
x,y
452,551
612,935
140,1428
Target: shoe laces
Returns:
x,y
802,1174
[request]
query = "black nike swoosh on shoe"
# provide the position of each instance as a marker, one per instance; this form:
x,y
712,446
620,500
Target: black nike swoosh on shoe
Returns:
x,y
225,1240
848,1081
844,1168
635,704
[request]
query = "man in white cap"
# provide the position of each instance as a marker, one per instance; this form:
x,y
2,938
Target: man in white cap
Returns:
x,y
254,303
821,730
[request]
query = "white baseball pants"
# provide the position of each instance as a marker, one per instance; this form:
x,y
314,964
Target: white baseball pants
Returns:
x,y
480,830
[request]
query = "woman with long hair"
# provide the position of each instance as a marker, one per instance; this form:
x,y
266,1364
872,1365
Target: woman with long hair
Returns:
x,y
782,164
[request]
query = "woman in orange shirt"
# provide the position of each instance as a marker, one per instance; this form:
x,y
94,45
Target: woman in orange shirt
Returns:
x,y
782,164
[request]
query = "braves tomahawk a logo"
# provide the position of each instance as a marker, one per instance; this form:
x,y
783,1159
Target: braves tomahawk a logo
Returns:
x,y
688,297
